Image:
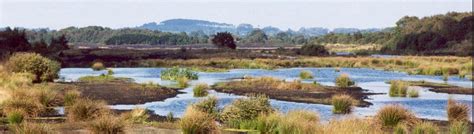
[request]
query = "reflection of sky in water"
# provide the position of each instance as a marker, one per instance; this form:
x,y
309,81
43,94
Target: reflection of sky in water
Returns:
x,y
428,105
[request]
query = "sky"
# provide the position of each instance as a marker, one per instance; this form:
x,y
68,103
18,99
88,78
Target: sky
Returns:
x,y
284,14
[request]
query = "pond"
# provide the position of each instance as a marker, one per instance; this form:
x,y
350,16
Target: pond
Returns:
x,y
429,105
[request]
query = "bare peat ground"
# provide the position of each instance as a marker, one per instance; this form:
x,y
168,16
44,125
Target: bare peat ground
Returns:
x,y
442,88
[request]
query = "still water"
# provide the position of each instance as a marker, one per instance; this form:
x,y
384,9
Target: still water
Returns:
x,y
429,105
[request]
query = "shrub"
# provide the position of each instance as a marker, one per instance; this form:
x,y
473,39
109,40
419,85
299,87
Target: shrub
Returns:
x,y
15,117
224,40
70,97
183,82
299,122
208,105
247,108
97,66
459,127
425,128
170,117
306,74
175,73
398,89
197,122
344,81
457,111
30,128
413,93
342,104
137,115
43,68
106,124
200,90
392,115
86,109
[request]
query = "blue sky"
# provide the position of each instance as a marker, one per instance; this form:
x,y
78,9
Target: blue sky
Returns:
x,y
57,14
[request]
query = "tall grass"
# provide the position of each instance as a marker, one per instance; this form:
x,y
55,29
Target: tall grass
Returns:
x,y
457,111
413,93
392,115
268,123
425,128
106,124
342,104
306,74
31,128
70,97
299,122
344,81
208,105
351,126
136,116
200,90
183,82
197,122
398,88
15,117
86,109
459,127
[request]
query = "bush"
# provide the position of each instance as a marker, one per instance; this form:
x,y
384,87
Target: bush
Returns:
x,y
299,122
413,93
43,68
459,127
137,115
344,81
200,90
342,104
391,115
247,108
15,117
30,128
398,89
457,111
208,105
106,124
425,128
97,66
86,109
176,73
70,97
197,122
306,74
313,50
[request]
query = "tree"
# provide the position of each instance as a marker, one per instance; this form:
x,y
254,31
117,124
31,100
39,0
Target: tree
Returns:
x,y
13,41
40,47
224,40
257,36
313,50
58,44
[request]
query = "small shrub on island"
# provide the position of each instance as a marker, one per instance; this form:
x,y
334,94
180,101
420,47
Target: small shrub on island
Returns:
x,y
342,104
344,81
306,74
208,105
413,93
176,73
97,66
246,108
183,82
398,89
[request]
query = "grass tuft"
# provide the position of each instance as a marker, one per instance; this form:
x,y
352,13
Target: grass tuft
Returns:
x,y
86,109
459,127
342,104
299,122
398,89
392,115
197,122
106,124
344,81
306,74
457,111
425,128
200,90
136,116
413,93
31,128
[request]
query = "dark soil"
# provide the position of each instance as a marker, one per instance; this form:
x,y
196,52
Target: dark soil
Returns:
x,y
442,88
305,96
120,92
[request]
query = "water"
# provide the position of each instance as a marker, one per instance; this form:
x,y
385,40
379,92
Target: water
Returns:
x,y
429,105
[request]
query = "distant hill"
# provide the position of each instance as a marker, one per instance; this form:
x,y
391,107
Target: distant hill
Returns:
x,y
209,28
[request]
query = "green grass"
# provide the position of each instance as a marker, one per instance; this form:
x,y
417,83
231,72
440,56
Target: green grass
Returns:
x,y
398,89
413,93
306,74
344,81
15,117
342,104
425,128
200,90
183,82
459,127
176,73
103,78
